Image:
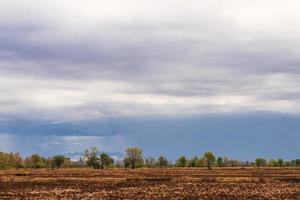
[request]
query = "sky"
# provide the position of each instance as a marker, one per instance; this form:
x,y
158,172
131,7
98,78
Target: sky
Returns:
x,y
172,77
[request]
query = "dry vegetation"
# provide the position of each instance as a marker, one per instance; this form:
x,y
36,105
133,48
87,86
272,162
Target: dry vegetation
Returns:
x,y
172,183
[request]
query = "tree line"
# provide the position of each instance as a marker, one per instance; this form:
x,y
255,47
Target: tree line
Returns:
x,y
134,159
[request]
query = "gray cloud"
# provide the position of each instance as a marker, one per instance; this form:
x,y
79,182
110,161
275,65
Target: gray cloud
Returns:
x,y
79,60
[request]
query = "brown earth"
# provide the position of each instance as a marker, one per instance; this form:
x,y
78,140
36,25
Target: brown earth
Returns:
x,y
152,184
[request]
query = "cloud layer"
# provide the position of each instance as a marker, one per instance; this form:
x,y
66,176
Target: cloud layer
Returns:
x,y
77,60
239,136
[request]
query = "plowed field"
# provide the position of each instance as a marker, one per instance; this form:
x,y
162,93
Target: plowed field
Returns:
x,y
151,184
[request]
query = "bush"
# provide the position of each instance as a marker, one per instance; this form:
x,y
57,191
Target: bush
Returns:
x,y
35,161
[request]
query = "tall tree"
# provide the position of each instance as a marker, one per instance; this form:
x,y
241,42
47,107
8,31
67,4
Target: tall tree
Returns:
x,y
134,155
105,160
259,162
181,162
280,162
209,158
194,162
220,161
58,161
91,157
163,162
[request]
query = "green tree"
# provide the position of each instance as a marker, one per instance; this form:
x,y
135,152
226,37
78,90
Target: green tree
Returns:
x,y
272,163
181,162
134,156
209,158
259,162
105,160
57,161
162,161
220,161
280,162
194,162
35,161
10,160
126,162
91,157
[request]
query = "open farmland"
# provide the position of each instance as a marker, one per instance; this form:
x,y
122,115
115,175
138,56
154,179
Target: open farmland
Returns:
x,y
150,184
173,183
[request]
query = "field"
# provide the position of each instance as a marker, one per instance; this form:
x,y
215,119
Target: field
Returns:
x,y
173,183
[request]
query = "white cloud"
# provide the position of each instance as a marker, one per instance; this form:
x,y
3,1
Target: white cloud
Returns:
x,y
73,60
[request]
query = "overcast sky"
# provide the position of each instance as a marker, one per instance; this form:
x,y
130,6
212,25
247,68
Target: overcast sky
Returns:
x,y
73,61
